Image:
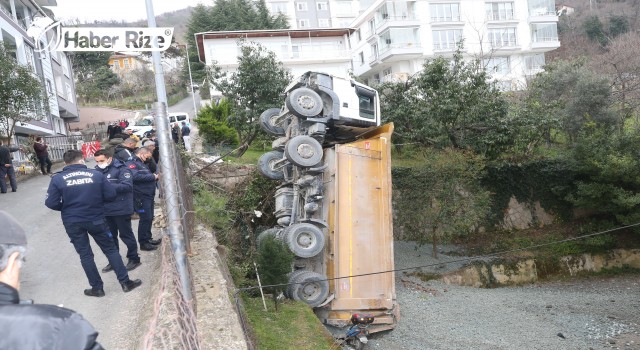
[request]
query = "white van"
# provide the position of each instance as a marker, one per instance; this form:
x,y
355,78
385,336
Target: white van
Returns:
x,y
179,117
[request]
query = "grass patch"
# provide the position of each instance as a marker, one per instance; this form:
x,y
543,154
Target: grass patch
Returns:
x,y
294,326
250,157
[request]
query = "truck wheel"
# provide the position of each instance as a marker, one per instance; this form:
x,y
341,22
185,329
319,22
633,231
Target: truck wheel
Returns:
x,y
271,232
288,292
304,102
266,165
303,151
311,287
304,240
267,122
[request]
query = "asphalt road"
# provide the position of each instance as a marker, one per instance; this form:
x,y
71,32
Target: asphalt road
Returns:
x,y
52,273
186,105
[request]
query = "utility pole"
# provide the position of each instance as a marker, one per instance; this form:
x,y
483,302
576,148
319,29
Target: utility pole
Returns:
x,y
193,92
168,170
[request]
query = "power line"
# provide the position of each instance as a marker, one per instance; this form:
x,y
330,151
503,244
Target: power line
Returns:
x,y
477,257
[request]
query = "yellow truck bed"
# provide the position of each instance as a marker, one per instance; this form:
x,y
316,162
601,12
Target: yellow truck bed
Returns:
x,y
360,231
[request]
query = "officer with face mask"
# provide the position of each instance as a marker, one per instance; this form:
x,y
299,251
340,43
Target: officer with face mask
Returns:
x,y
118,212
79,194
144,192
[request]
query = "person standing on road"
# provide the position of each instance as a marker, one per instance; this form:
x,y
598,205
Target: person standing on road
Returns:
x,y
27,326
144,192
118,213
186,131
124,151
43,155
79,194
7,168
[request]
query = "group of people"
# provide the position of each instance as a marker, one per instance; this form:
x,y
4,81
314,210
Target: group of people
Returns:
x,y
7,169
181,134
96,202
100,202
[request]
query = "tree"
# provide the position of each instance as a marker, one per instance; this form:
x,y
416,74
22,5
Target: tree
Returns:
x,y
593,27
274,263
212,124
618,25
255,86
97,84
621,64
449,104
442,198
21,94
609,185
574,93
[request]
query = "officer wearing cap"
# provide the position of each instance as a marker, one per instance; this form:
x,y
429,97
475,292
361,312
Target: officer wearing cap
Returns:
x,y
118,213
27,326
79,194
144,192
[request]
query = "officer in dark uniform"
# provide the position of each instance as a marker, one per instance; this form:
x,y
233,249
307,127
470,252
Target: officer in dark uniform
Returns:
x,y
124,151
144,192
118,213
79,193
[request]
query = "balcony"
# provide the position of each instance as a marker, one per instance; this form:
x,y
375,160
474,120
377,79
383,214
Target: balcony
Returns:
x,y
395,78
542,15
545,43
400,51
501,17
397,21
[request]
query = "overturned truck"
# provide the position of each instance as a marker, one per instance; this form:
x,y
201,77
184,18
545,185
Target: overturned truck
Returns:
x,y
333,206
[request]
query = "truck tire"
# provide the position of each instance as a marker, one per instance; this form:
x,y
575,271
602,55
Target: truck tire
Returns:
x,y
310,287
304,240
303,151
266,165
288,292
271,232
267,119
304,102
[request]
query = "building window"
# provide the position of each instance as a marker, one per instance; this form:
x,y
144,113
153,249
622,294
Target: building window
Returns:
x,y
534,62
499,11
359,35
445,12
361,56
323,23
446,39
301,6
503,37
69,92
544,32
64,63
497,65
116,64
126,63
542,7
372,26
59,87
279,7
30,55
303,23
322,6
10,44
49,87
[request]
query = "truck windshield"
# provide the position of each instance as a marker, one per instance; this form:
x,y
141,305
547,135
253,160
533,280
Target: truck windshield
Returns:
x,y
366,102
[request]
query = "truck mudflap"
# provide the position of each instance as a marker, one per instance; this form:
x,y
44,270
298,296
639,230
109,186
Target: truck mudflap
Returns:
x,y
359,255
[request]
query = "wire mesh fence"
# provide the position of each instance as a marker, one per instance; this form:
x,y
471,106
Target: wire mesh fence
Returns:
x,y
173,324
173,321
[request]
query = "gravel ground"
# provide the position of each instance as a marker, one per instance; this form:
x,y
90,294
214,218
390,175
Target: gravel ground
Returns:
x,y
587,313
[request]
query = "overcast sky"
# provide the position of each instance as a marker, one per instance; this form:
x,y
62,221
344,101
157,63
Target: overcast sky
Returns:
x,y
127,10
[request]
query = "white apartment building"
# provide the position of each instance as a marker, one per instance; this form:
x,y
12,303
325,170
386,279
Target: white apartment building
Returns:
x,y
325,50
393,38
53,70
312,14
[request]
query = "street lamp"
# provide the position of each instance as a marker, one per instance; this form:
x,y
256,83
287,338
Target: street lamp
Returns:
x,y
193,92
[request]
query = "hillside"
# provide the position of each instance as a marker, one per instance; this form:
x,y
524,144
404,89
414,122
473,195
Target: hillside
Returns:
x,y
579,32
176,19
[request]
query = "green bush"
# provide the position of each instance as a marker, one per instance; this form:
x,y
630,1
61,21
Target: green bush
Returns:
x,y
213,127
211,209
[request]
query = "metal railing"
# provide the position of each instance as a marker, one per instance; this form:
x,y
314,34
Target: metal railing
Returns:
x,y
60,144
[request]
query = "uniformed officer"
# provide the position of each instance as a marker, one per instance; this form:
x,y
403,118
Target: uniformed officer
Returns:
x,y
118,213
144,192
124,151
79,194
